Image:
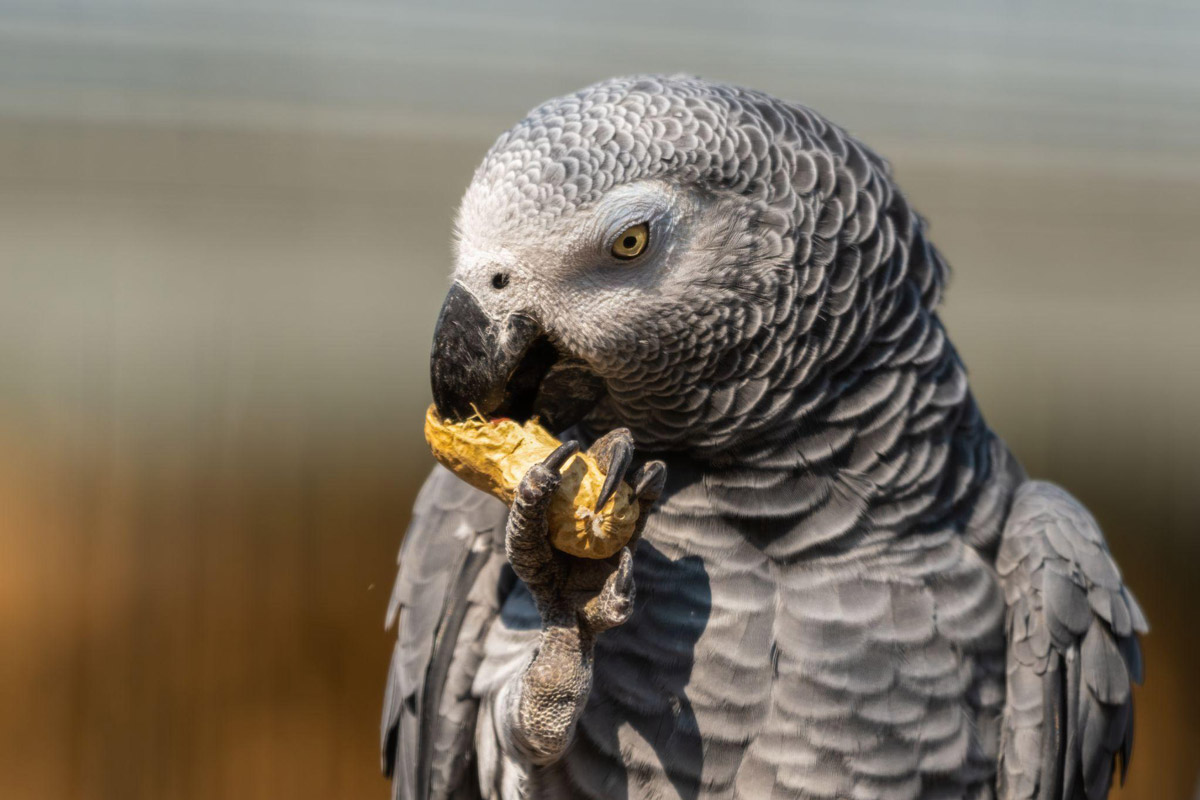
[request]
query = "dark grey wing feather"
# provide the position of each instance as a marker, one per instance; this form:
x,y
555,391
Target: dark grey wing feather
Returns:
x,y
446,593
1072,651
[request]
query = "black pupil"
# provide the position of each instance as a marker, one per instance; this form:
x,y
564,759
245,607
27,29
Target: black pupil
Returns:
x,y
630,242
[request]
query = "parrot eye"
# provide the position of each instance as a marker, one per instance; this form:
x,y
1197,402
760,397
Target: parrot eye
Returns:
x,y
631,242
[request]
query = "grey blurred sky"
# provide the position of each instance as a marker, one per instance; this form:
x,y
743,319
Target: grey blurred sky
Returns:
x,y
1071,75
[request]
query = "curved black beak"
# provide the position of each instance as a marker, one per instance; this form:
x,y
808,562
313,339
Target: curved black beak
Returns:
x,y
474,355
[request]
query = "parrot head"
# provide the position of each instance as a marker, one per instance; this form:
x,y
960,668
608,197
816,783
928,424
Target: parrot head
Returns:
x,y
693,261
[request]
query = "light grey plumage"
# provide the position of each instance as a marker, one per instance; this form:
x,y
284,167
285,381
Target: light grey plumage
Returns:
x,y
848,588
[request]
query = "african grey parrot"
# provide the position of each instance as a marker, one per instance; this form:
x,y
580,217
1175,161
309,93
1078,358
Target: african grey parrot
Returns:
x,y
846,587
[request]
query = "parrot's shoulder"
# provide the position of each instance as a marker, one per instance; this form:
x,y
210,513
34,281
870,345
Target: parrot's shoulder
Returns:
x,y
1049,535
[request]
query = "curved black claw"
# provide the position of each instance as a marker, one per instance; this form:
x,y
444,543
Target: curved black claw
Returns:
x,y
561,455
614,453
649,481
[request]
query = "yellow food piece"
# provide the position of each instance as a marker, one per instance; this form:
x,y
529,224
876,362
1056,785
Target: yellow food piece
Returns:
x,y
493,455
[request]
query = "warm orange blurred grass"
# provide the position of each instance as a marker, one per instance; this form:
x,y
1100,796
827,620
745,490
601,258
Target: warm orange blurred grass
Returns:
x,y
193,627
197,623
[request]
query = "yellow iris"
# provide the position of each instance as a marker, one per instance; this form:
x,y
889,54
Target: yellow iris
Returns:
x,y
632,242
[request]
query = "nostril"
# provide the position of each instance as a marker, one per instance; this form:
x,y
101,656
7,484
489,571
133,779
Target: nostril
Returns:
x,y
500,280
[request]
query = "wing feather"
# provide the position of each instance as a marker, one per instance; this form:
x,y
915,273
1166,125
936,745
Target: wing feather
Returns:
x,y
440,610
1072,630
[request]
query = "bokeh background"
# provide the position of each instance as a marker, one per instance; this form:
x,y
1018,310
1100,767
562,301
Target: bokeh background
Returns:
x,y
224,233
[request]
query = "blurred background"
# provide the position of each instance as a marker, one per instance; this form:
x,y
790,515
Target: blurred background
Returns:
x,y
224,235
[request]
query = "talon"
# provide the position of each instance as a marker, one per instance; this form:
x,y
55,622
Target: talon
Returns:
x,y
558,459
650,480
623,582
613,452
611,481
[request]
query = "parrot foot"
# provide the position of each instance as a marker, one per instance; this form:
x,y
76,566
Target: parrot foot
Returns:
x,y
577,598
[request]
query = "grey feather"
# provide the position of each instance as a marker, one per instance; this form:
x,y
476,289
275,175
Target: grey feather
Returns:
x,y
1079,595
449,519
